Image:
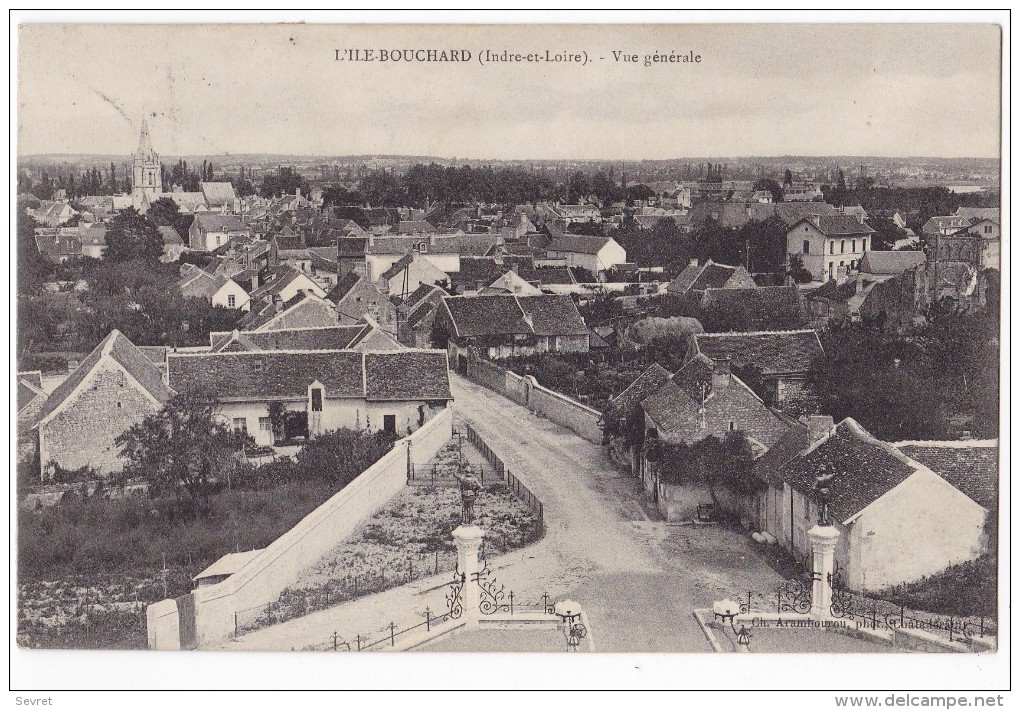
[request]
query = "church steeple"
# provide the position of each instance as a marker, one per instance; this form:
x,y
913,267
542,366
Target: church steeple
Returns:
x,y
146,173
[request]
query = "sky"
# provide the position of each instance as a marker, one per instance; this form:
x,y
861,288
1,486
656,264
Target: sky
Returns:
x,y
810,89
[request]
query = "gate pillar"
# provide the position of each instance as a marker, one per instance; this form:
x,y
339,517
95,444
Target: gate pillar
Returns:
x,y
468,539
823,545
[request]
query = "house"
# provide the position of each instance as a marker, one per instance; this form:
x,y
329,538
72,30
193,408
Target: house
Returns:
x,y
218,289
53,213
978,243
304,310
944,226
285,282
407,274
60,244
113,388
219,196
746,309
187,202
736,214
351,255
416,315
778,362
855,211
899,521
802,192
211,230
596,255
825,243
890,263
93,242
395,391
506,326
972,466
695,279
355,296
625,416
762,196
173,245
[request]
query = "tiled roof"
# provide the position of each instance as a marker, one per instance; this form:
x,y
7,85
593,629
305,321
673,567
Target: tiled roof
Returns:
x,y
276,280
769,465
407,375
27,392
170,236
890,262
486,315
578,244
343,286
117,347
33,377
553,315
217,194
209,222
647,383
547,276
863,469
505,315
701,277
695,377
286,375
204,286
94,236
773,352
340,337
764,308
976,214
288,243
259,317
971,466
352,246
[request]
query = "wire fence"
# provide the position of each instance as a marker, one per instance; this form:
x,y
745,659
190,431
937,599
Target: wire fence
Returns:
x,y
513,483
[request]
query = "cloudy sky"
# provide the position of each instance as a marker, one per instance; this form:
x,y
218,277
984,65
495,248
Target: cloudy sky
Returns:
x,y
891,90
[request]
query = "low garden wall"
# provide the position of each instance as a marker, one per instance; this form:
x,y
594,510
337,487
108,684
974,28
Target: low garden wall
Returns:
x,y
525,390
280,564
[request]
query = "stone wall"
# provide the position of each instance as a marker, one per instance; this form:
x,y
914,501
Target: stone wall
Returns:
x,y
83,432
281,563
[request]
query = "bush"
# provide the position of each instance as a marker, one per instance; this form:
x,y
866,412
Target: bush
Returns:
x,y
968,589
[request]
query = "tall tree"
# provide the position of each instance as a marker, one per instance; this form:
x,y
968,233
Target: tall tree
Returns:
x,y
132,236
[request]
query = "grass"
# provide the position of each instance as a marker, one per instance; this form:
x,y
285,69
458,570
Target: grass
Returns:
x,y
969,589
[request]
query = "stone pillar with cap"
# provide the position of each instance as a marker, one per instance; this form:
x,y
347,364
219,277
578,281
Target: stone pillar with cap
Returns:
x,y
468,539
823,540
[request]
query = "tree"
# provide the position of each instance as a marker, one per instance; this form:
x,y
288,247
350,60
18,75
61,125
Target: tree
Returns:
x,y
340,456
132,236
787,178
771,186
797,271
718,462
183,449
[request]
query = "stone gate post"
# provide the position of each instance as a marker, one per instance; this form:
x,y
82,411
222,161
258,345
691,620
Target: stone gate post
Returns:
x,y
468,539
823,545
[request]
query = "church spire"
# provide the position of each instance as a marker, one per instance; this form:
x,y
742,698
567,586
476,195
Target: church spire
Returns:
x,y
144,142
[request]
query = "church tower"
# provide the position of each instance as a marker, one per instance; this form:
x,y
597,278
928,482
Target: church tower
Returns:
x,y
146,174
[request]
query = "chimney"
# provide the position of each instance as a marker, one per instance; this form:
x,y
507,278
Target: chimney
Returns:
x,y
693,262
277,302
432,239
840,275
818,425
297,193
514,267
721,374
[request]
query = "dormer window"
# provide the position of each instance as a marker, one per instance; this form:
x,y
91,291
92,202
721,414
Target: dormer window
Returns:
x,y
423,247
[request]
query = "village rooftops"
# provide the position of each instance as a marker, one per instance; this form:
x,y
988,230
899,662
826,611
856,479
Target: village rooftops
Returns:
x,y
838,225
209,222
463,244
971,466
545,315
761,307
339,337
286,375
977,214
773,352
891,263
217,194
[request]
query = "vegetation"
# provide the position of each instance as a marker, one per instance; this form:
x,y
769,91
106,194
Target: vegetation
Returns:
x,y
967,589
718,462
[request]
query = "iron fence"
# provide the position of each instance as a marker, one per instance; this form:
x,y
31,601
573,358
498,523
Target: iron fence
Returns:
x,y
515,484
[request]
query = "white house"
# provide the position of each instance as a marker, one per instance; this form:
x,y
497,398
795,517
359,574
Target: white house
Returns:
x,y
285,282
595,254
211,230
395,391
218,289
825,243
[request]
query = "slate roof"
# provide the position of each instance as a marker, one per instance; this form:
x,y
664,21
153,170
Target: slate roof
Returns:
x,y
766,307
648,383
505,315
402,375
863,469
407,375
398,266
418,295
578,244
117,347
970,466
347,282
170,236
773,352
890,262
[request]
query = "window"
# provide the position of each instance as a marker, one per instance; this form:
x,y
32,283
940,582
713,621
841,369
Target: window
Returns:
x,y
807,246
853,245
864,245
316,400
988,229
231,301
265,423
831,267
731,426
832,247
423,247
219,239
390,423
241,425
842,246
